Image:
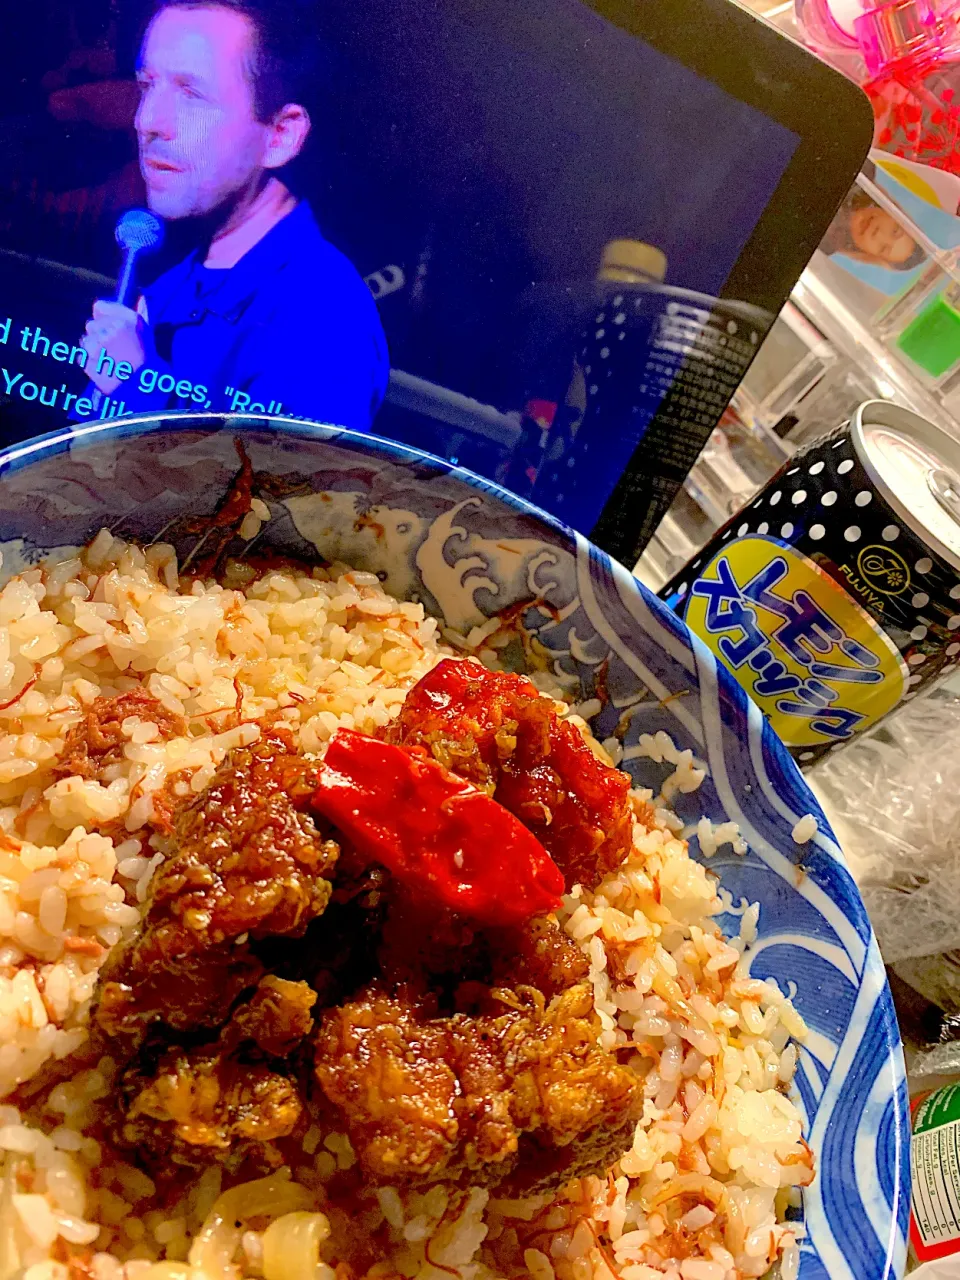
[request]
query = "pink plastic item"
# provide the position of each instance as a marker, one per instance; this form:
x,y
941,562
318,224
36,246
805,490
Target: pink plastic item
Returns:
x,y
906,55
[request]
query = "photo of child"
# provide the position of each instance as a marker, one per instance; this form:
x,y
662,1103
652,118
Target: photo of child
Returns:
x,y
865,232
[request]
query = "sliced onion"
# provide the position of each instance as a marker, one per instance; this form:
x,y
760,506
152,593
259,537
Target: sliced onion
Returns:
x,y
291,1247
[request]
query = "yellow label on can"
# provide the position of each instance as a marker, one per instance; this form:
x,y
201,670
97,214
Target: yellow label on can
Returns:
x,y
816,664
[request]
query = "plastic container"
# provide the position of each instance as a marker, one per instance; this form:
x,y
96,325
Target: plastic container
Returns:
x,y
906,56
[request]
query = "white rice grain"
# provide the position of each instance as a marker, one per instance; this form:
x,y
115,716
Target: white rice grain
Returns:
x,y
805,829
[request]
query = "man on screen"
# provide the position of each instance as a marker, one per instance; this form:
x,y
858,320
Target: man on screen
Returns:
x,y
265,312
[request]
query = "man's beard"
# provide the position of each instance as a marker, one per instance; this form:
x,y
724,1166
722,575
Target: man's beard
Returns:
x,y
189,230
181,197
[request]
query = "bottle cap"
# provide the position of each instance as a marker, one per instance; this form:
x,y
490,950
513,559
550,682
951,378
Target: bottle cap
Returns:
x,y
632,262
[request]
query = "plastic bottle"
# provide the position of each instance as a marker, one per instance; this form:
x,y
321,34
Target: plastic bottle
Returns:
x,y
623,262
653,370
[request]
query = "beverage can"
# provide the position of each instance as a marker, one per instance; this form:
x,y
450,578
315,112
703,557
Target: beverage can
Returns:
x,y
835,595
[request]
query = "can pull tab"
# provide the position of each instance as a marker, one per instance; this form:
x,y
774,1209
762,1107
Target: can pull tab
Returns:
x,y
945,487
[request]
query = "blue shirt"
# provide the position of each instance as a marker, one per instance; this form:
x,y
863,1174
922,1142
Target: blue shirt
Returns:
x,y
290,329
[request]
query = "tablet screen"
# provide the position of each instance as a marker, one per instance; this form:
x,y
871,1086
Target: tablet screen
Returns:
x,y
493,229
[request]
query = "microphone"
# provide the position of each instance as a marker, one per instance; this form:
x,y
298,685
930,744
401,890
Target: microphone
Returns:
x,y
138,231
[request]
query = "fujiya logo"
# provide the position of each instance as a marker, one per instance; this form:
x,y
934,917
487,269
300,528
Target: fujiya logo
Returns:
x,y
807,653
884,570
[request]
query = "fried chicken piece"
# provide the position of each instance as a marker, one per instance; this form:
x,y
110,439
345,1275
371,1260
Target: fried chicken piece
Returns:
x,y
277,1017
538,954
383,1062
248,858
420,940
495,730
98,740
425,1097
221,1101
170,977
203,1105
249,863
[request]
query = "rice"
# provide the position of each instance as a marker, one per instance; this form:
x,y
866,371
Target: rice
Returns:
x,y
805,829
702,1189
711,835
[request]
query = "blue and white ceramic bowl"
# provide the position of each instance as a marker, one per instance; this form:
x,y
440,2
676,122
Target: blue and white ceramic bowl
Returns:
x,y
468,549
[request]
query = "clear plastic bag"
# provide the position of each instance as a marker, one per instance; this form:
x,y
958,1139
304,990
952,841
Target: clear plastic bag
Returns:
x,y
941,1269
894,801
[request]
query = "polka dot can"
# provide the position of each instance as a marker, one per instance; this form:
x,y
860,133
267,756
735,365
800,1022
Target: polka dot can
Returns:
x,y
834,597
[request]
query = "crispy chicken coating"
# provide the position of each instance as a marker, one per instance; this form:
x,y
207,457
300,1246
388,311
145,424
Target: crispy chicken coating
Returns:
x,y
277,1017
202,1106
248,863
538,954
425,1097
223,1101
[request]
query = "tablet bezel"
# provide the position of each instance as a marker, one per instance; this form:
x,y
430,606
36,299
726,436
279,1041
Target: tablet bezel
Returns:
x,y
750,60
782,80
